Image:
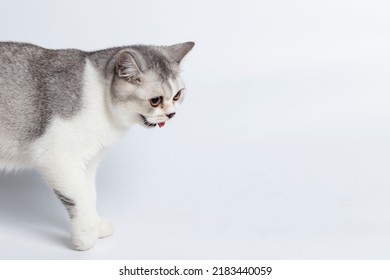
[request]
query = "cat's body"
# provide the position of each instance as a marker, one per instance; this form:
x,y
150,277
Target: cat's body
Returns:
x,y
59,109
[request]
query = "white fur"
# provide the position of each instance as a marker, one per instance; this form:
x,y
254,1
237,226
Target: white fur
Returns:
x,y
68,154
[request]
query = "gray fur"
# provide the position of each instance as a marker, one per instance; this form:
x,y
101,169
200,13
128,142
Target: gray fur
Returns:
x,y
68,203
35,84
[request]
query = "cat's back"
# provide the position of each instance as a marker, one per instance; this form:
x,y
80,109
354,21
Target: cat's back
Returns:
x,y
25,65
12,51
15,59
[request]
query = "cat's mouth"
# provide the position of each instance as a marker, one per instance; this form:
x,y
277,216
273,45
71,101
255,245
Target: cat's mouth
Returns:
x,y
149,124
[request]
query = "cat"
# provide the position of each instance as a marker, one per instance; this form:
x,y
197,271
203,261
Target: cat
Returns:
x,y
60,109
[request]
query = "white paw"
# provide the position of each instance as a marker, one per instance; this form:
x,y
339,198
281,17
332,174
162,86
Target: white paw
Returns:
x,y
105,228
84,237
85,240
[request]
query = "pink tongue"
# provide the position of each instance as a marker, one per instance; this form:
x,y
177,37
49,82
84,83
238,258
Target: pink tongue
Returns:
x,y
161,124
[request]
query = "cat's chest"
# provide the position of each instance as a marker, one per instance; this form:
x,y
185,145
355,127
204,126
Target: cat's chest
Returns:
x,y
86,134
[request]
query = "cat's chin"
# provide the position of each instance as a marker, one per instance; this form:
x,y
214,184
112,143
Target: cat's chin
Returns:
x,y
148,124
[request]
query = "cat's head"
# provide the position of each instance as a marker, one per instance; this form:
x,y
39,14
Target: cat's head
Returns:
x,y
147,87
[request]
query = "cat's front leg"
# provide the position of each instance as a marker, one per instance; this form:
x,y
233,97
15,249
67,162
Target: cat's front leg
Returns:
x,y
75,188
105,227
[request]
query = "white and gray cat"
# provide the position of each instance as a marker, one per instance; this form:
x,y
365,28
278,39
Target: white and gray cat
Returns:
x,y
60,109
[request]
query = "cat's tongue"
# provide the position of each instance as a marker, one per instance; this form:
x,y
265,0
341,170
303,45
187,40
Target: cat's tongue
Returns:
x,y
161,124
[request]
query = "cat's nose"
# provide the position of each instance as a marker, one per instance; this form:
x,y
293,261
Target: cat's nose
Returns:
x,y
170,115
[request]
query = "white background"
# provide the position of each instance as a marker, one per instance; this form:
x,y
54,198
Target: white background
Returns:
x,y
280,151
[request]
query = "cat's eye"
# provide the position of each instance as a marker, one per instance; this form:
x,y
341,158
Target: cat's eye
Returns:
x,y
155,101
177,96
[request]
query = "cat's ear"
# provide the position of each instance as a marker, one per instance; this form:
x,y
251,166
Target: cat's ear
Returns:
x,y
127,68
178,51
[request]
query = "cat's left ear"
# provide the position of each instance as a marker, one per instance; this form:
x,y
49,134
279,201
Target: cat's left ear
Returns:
x,y
178,51
127,68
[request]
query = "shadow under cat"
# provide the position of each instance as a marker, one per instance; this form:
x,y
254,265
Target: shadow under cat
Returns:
x,y
28,205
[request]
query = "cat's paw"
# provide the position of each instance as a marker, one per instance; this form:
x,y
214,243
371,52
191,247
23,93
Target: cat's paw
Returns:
x,y
105,228
85,240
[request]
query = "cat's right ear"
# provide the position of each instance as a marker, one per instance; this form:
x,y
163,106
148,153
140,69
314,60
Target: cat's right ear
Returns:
x,y
127,68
